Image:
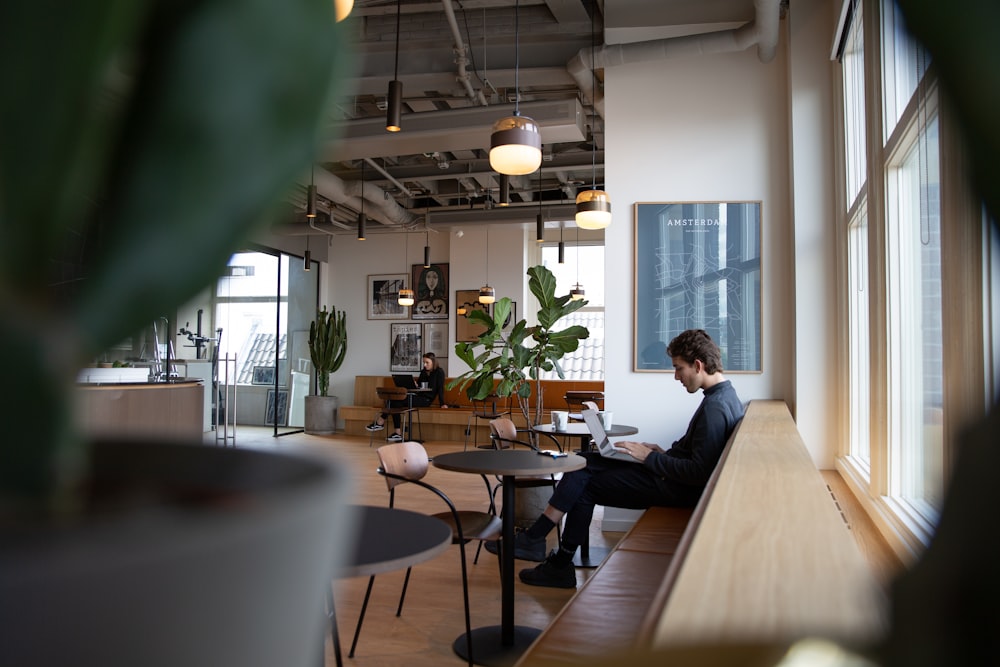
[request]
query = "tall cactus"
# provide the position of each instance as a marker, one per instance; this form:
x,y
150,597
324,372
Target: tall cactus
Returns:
x,y
327,344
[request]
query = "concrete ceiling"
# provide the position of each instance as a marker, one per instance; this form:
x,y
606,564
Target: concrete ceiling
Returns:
x,y
458,73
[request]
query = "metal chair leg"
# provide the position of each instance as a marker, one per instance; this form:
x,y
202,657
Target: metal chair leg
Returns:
x,y
402,595
361,617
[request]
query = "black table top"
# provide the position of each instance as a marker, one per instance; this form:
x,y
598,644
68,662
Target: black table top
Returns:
x,y
392,539
507,462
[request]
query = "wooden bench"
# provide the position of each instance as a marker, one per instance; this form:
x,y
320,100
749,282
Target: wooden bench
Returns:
x,y
764,557
449,424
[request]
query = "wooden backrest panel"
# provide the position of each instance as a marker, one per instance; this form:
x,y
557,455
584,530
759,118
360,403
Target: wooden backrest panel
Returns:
x,y
406,459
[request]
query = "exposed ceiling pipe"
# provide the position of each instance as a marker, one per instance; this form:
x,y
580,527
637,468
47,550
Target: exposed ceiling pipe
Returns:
x,y
475,96
388,176
379,204
762,31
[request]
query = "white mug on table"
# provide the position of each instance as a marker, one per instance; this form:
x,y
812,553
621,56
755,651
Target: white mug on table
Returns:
x,y
606,417
559,419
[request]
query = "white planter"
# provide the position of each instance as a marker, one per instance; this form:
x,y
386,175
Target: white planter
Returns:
x,y
203,556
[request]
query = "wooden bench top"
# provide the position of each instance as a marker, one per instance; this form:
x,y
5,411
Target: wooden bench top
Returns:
x,y
772,560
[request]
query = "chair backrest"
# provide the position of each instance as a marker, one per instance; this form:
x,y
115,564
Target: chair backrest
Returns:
x,y
390,393
504,432
491,405
404,459
590,405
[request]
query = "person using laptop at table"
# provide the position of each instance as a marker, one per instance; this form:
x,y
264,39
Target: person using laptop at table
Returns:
x,y
674,477
433,375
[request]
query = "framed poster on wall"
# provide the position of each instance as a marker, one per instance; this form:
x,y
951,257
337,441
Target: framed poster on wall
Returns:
x,y
383,296
436,341
697,266
466,331
430,287
404,347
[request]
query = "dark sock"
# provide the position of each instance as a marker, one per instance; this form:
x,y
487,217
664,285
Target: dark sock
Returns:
x,y
540,528
564,556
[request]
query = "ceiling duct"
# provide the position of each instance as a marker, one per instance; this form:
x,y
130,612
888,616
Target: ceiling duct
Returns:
x,y
762,32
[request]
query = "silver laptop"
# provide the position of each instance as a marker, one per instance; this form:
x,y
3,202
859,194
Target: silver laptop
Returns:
x,y
600,436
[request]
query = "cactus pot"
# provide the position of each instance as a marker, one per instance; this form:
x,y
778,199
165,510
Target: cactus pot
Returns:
x,y
321,415
184,555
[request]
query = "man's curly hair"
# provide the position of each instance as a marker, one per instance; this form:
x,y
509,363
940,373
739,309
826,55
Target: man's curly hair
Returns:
x,y
696,344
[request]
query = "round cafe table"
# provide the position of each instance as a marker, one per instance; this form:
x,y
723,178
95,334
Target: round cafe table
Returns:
x,y
579,430
502,645
387,540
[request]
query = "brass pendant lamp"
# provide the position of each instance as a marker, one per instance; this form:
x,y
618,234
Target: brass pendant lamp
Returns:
x,y
593,207
516,142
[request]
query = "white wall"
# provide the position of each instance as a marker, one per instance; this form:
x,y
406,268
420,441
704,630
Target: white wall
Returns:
x,y
710,128
816,407
351,261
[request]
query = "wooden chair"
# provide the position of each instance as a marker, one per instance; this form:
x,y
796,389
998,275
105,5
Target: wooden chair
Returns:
x,y
503,435
404,462
386,395
488,409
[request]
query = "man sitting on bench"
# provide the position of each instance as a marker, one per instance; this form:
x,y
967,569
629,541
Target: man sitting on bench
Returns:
x,y
672,478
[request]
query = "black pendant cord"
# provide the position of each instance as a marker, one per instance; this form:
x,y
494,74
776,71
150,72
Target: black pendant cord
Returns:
x,y
395,71
517,59
593,94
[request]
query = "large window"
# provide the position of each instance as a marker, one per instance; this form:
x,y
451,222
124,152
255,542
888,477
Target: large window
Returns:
x,y
583,264
908,263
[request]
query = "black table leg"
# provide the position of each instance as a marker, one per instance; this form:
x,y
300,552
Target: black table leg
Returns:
x,y
501,645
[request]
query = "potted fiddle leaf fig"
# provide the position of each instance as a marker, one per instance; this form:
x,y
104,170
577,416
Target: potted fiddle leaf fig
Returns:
x,y
520,356
141,139
327,348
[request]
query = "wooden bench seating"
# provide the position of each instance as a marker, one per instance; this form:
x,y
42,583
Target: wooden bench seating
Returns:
x,y
764,557
450,424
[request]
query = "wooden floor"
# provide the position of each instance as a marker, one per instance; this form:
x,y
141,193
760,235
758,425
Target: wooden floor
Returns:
x,y
432,616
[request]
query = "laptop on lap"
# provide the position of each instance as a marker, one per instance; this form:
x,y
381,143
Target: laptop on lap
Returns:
x,y
600,436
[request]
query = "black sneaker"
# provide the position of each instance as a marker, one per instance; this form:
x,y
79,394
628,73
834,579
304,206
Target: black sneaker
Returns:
x,y
525,548
374,426
395,437
552,576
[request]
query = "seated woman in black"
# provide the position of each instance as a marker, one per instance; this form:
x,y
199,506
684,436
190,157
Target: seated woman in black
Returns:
x,y
433,375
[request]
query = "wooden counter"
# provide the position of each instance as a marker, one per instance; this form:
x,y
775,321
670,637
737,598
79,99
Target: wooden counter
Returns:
x,y
161,410
772,560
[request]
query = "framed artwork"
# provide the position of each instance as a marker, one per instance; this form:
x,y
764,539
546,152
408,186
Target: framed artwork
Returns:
x,y
405,347
430,286
263,375
698,266
383,296
281,405
436,341
466,331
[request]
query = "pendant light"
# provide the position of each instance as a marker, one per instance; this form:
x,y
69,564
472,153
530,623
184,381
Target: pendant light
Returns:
x,y
361,214
341,9
593,207
539,221
562,246
515,143
406,294
311,194
577,292
427,238
487,294
504,190
394,105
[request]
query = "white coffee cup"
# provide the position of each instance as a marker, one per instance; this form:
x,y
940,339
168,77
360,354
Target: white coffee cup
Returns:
x,y
606,417
559,419
423,385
